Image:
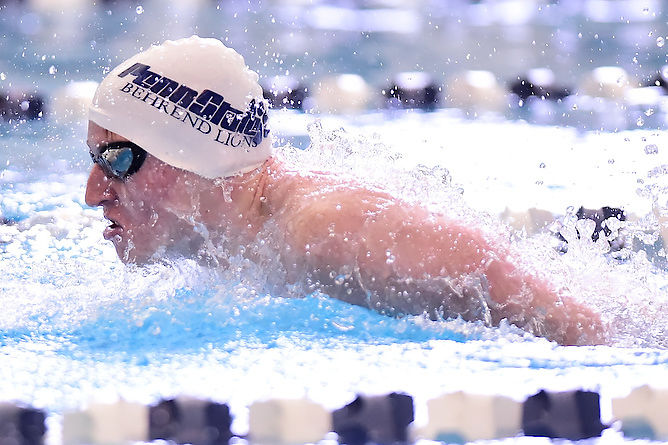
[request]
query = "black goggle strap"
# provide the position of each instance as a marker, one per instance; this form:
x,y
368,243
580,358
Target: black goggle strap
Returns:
x,y
120,159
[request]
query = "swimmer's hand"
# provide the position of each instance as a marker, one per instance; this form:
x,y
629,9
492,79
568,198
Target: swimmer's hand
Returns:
x,y
529,302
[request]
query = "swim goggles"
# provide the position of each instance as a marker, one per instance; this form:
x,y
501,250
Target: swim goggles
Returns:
x,y
120,159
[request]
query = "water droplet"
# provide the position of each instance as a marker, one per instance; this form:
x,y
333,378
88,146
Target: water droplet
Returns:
x,y
645,11
640,122
25,105
651,149
140,9
649,112
620,80
520,103
3,76
53,70
574,107
611,161
660,41
542,165
108,11
579,35
338,207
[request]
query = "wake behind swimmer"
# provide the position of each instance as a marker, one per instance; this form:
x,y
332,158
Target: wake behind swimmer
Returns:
x,y
162,184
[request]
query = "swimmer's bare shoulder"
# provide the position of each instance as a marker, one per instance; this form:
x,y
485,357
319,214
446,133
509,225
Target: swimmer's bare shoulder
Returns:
x,y
336,225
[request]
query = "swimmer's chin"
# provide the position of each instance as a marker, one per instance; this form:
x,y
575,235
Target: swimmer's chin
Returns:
x,y
164,255
128,253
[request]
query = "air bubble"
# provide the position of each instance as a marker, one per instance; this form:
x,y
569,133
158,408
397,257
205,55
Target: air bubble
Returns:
x,y
651,149
645,11
660,41
3,76
640,122
140,9
649,112
53,70
542,165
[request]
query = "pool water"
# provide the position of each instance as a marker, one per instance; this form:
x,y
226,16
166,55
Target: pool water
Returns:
x,y
77,325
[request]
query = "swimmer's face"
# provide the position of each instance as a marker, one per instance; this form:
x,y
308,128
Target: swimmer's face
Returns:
x,y
150,212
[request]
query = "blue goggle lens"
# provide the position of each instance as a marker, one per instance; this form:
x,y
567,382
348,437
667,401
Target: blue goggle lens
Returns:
x,y
120,159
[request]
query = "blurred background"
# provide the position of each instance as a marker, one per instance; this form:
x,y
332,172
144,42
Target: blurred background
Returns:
x,y
591,64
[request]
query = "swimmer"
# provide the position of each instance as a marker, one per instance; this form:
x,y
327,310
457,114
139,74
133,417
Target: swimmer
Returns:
x,y
183,166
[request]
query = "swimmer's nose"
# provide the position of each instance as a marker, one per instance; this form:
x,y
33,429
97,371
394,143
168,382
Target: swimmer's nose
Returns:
x,y
98,189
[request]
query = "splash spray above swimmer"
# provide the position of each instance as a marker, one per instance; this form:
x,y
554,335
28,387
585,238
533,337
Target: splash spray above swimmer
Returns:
x,y
171,186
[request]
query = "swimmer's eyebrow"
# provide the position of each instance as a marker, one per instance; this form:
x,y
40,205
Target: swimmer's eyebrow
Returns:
x,y
107,136
100,147
97,147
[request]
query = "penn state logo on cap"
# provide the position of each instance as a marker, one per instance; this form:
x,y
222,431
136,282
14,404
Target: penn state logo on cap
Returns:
x,y
192,103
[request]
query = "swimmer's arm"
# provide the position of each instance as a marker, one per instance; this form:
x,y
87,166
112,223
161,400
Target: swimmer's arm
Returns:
x,y
386,241
424,244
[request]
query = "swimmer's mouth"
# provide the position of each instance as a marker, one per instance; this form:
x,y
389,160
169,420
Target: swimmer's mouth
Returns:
x,y
112,229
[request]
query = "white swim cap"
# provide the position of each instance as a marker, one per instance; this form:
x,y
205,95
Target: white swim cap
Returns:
x,y
192,103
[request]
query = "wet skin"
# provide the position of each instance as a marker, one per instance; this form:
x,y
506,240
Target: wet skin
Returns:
x,y
355,243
